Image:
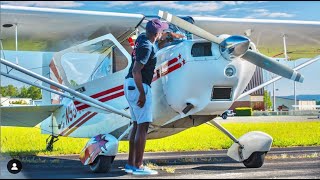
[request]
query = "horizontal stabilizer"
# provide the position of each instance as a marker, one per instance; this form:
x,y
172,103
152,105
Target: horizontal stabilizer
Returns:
x,y
26,116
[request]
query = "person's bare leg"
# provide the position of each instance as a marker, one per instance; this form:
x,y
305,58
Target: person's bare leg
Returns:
x,y
131,159
140,142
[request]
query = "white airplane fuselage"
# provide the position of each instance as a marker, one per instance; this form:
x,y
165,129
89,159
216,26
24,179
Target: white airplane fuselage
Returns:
x,y
186,73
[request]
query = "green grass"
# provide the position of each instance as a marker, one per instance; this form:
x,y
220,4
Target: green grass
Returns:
x,y
26,45
29,141
294,52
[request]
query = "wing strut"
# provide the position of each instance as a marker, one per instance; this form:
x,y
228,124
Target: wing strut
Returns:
x,y
51,90
69,90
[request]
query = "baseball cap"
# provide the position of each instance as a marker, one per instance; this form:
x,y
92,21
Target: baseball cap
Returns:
x,y
155,26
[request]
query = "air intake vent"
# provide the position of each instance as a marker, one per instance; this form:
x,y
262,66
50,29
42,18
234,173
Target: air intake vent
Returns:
x,y
201,49
221,93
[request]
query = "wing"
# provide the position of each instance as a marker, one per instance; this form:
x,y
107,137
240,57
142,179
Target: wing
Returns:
x,y
25,116
267,34
47,29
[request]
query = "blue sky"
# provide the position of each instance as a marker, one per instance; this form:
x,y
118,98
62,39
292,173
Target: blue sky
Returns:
x,y
294,10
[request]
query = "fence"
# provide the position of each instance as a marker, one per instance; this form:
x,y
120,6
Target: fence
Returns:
x,y
287,113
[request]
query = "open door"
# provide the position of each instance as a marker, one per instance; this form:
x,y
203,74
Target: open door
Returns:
x,y
92,67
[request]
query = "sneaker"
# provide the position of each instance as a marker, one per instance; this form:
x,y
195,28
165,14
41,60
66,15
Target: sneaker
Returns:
x,y
144,171
128,168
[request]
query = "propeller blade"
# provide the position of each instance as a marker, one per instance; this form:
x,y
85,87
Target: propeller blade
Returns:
x,y
189,27
271,65
235,46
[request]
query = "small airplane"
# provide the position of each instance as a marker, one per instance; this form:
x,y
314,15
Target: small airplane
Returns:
x,y
195,79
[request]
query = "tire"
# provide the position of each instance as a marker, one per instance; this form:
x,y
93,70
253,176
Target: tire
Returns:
x,y
224,116
102,164
255,160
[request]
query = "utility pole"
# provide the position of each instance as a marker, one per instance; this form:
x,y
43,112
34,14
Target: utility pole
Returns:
x,y
286,57
294,91
17,62
274,96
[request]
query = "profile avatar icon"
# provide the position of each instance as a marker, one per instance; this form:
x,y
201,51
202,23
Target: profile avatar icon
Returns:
x,y
14,167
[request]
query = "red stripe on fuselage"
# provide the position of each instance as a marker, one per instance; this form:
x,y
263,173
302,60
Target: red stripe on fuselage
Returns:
x,y
74,123
80,124
108,98
165,65
102,93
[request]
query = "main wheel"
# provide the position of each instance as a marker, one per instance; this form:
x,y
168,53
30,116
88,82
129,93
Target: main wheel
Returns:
x,y
102,164
224,116
255,160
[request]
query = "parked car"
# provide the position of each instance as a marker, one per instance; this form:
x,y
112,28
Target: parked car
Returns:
x,y
227,113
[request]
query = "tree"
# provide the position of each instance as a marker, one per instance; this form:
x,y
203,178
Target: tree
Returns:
x,y
3,91
34,93
9,90
23,92
267,99
318,102
12,91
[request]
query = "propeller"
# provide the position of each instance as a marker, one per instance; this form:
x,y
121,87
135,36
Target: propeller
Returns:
x,y
235,46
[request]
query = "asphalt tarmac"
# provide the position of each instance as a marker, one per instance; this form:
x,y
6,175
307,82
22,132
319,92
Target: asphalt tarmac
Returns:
x,y
296,162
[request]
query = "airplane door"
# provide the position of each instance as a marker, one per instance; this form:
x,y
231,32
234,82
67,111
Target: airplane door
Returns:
x,y
90,60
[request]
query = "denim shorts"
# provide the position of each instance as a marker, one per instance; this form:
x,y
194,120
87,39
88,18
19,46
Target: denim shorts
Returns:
x,y
131,92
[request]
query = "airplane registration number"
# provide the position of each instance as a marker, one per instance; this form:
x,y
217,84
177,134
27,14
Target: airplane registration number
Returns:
x,y
71,113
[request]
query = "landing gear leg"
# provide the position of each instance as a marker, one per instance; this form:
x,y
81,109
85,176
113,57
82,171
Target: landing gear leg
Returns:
x,y
250,149
50,142
52,137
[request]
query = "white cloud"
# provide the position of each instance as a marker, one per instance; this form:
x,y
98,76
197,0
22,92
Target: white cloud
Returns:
x,y
278,14
235,2
198,15
48,4
119,3
266,13
205,6
223,15
229,2
198,6
260,10
235,9
240,2
249,17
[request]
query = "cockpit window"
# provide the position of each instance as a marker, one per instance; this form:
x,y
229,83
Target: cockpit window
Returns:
x,y
176,29
93,61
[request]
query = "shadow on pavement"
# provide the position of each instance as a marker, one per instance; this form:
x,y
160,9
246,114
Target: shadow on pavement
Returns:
x,y
217,168
47,167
